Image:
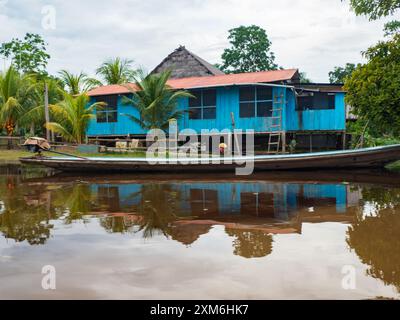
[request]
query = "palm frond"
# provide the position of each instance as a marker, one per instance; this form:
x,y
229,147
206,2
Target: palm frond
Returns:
x,y
58,128
134,119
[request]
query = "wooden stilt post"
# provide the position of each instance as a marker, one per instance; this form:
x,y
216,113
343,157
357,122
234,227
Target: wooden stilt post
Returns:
x,y
46,109
344,140
283,141
234,135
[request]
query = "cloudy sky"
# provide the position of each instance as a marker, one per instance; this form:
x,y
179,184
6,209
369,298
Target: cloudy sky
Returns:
x,y
312,35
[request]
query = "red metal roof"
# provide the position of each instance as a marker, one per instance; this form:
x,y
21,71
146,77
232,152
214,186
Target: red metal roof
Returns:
x,y
199,82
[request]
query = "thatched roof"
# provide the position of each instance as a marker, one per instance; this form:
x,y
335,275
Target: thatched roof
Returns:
x,y
185,64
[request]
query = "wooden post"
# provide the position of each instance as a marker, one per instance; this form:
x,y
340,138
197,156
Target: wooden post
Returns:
x,y
46,109
311,146
344,140
234,135
284,142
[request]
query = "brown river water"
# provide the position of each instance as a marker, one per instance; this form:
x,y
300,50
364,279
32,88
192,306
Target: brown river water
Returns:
x,y
306,235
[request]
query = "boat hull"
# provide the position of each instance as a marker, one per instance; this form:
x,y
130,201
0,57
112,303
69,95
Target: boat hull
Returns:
x,y
362,158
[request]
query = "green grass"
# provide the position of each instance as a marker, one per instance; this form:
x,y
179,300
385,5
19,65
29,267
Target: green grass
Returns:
x,y
12,155
104,155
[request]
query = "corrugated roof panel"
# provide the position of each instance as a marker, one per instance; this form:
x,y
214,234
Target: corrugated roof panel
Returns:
x,y
198,82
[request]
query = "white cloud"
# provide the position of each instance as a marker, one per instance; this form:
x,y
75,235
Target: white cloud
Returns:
x,y
313,35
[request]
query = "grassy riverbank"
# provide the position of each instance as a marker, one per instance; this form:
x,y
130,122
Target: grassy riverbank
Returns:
x,y
12,156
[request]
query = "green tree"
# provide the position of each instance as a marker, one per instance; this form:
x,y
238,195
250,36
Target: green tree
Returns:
x,y
373,89
116,71
76,83
391,28
250,51
304,78
28,55
72,117
339,74
16,92
155,101
375,9
33,114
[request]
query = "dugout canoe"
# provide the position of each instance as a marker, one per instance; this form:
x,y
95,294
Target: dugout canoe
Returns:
x,y
376,157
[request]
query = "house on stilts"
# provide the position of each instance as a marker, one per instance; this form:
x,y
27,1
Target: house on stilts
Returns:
x,y
274,104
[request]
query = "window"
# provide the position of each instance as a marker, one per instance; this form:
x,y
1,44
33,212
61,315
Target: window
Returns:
x,y
316,101
109,112
258,204
203,202
204,105
255,102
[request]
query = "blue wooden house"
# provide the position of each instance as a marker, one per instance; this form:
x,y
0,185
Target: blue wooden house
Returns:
x,y
271,101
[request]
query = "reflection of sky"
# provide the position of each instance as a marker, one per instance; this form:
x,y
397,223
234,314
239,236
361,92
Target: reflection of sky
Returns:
x,y
370,209
93,264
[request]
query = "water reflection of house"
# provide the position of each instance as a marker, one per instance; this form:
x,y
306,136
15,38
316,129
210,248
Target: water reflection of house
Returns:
x,y
225,203
278,200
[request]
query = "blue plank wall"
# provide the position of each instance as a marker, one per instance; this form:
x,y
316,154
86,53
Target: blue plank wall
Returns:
x,y
227,102
123,126
325,120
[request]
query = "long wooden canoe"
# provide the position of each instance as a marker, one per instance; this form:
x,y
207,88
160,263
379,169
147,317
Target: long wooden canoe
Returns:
x,y
348,159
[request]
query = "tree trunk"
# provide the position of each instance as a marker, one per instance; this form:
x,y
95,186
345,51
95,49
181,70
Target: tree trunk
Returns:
x,y
9,143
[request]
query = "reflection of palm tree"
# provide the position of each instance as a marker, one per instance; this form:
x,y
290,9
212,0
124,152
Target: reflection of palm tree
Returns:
x,y
250,243
117,224
376,241
159,207
156,209
78,202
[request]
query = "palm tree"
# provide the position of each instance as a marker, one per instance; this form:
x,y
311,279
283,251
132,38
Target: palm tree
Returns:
x,y
117,71
77,83
155,101
33,115
14,92
72,117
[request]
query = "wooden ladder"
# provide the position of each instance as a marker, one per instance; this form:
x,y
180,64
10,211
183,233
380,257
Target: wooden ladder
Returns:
x,y
275,136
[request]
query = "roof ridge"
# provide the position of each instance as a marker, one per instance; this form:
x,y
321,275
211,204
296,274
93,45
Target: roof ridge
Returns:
x,y
235,74
212,69
205,63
